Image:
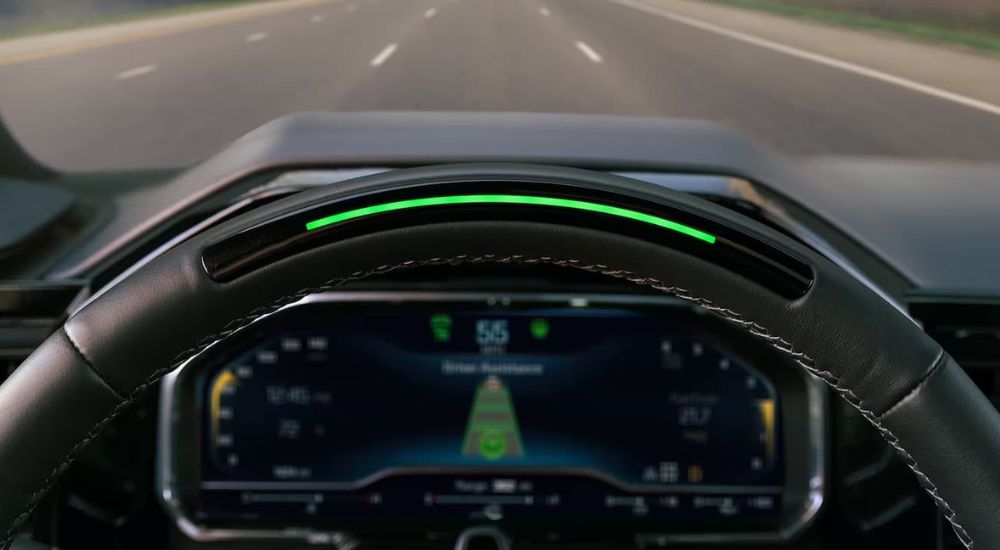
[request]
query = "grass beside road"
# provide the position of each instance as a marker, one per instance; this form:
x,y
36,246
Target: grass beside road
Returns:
x,y
73,24
972,38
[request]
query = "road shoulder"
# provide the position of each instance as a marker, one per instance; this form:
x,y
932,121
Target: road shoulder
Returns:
x,y
30,48
958,72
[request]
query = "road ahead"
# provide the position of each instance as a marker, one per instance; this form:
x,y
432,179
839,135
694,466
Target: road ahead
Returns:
x,y
173,99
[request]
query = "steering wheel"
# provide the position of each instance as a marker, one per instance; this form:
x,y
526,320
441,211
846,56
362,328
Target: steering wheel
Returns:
x,y
123,341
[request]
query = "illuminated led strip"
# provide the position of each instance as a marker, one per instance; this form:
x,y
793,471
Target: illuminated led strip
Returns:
x,y
513,199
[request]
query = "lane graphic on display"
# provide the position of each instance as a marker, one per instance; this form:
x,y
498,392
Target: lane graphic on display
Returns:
x,y
492,431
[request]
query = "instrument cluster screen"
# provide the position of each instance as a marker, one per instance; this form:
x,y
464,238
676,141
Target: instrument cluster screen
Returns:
x,y
463,413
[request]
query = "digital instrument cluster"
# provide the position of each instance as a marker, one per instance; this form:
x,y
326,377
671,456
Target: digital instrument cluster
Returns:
x,y
364,412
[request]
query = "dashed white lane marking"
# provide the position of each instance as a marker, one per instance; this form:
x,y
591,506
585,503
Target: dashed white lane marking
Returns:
x,y
138,71
384,55
318,18
816,58
430,13
256,37
589,52
544,11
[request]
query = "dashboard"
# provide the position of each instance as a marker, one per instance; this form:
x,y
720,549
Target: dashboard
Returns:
x,y
546,416
425,410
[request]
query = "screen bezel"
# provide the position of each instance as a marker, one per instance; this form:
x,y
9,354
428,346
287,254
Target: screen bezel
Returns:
x,y
802,397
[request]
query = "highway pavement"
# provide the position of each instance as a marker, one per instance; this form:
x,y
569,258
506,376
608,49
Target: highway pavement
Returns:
x,y
173,98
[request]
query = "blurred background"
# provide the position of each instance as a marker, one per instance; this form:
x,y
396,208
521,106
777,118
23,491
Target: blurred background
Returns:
x,y
22,16
91,85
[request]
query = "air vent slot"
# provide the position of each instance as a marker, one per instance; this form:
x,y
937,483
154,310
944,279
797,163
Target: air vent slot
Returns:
x,y
29,312
9,362
968,328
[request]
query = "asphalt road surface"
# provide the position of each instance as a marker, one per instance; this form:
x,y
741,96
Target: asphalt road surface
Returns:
x,y
174,99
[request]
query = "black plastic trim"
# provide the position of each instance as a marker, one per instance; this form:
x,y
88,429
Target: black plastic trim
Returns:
x,y
284,236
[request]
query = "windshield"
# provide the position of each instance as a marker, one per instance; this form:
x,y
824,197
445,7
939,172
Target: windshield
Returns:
x,y
129,84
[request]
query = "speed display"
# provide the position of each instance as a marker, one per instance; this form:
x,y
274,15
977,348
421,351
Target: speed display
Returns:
x,y
451,413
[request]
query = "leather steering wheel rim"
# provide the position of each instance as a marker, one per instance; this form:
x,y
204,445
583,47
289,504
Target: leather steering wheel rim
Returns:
x,y
117,346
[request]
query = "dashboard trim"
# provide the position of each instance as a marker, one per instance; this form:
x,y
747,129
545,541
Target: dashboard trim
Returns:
x,y
165,482
449,196
719,185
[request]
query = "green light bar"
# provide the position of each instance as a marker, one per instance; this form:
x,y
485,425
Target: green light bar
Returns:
x,y
513,199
